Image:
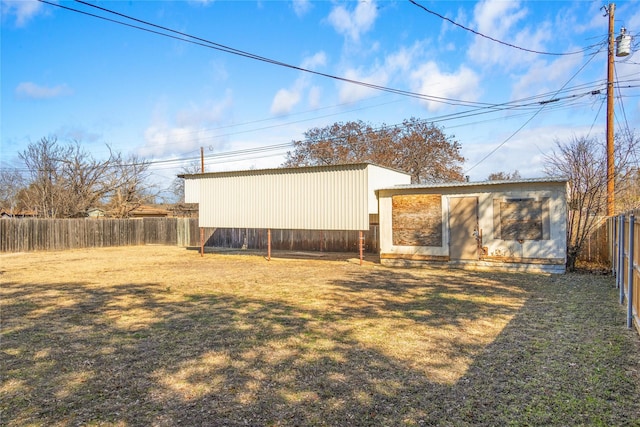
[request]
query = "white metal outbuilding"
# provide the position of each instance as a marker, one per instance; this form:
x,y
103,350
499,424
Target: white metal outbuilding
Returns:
x,y
335,197
510,225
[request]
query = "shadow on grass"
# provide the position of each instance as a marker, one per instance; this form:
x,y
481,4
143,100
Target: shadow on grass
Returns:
x,y
137,354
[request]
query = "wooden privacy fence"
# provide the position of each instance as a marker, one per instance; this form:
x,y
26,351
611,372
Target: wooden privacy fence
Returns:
x,y
624,237
596,248
28,234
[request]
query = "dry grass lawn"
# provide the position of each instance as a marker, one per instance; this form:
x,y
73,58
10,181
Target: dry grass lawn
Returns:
x,y
159,336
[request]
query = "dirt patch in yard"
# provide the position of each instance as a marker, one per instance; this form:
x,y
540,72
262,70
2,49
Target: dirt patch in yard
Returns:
x,y
160,336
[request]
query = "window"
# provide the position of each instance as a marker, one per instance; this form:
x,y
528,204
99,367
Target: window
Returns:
x,y
417,220
521,219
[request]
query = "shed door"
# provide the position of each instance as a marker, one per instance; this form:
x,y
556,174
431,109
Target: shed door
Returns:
x,y
463,222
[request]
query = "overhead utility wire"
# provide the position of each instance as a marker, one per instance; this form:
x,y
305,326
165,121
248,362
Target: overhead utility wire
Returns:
x,y
512,105
549,106
624,113
216,46
531,118
494,39
222,157
227,49
449,117
604,99
553,103
276,147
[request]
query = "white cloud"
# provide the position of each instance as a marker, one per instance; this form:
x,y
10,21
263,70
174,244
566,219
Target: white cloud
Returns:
x,y
314,96
356,22
197,115
191,128
77,133
350,92
317,60
301,7
396,66
428,79
526,152
286,99
23,10
201,2
502,20
498,16
35,91
543,77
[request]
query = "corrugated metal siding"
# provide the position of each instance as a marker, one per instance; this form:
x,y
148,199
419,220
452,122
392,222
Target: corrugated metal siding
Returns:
x,y
328,199
380,177
191,190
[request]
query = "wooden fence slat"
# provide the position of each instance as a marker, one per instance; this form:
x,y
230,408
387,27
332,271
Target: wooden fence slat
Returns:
x,y
624,250
30,234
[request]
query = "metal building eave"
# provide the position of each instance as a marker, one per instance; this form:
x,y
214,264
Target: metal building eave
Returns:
x,y
550,180
284,170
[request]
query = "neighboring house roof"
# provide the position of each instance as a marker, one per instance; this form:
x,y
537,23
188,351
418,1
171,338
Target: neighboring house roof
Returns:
x,y
11,213
94,212
149,211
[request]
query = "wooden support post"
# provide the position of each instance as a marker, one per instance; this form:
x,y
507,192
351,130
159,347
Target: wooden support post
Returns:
x,y
620,276
201,229
361,244
269,244
201,241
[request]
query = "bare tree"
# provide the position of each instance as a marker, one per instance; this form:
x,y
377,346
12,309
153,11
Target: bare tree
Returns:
x,y
44,192
627,184
628,190
84,181
504,176
129,189
416,147
11,184
64,181
583,162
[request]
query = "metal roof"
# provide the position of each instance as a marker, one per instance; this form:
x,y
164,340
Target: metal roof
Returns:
x,y
457,184
290,170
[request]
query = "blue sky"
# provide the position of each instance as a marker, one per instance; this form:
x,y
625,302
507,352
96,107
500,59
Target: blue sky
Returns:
x,y
76,77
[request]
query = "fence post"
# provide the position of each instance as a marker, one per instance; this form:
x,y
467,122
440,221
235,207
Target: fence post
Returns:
x,y
611,235
630,273
620,269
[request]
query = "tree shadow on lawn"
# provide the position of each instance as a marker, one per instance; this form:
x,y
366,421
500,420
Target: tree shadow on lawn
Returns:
x,y
448,298
137,354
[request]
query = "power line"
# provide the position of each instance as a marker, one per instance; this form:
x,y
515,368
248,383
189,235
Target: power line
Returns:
x,y
227,49
494,39
528,103
604,99
530,119
209,44
534,102
220,47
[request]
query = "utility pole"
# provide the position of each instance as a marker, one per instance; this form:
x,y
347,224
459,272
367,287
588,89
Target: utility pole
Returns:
x,y
610,150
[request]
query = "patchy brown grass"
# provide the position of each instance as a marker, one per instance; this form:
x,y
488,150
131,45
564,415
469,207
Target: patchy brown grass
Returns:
x,y
159,336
